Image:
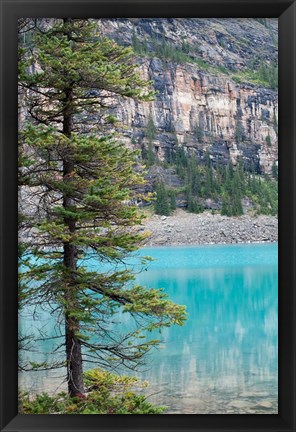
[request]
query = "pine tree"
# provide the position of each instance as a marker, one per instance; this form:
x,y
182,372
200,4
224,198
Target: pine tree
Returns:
x,y
79,185
226,203
233,190
192,204
173,203
150,154
150,134
162,202
239,131
199,134
151,130
236,201
136,43
209,175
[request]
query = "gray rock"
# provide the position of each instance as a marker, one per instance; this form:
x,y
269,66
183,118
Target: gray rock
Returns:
x,y
264,404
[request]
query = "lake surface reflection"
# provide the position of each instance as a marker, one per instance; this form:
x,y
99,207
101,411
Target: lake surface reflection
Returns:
x,y
225,359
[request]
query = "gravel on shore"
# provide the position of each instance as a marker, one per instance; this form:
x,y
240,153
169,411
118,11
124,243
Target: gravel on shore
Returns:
x,y
183,228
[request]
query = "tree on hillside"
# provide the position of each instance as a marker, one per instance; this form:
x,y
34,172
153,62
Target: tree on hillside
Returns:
x,y
78,185
150,134
232,191
162,201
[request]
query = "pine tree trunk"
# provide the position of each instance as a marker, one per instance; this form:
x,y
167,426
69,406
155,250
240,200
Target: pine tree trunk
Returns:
x,y
73,345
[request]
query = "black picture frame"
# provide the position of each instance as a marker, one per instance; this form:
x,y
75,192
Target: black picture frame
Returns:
x,y
286,12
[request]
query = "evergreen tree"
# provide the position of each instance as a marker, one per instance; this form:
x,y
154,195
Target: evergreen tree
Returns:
x,y
151,129
233,191
173,204
192,177
209,175
239,131
136,43
150,154
226,204
162,202
79,184
238,181
236,201
150,134
192,204
199,134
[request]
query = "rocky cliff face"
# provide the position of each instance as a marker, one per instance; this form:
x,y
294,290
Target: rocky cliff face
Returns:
x,y
211,99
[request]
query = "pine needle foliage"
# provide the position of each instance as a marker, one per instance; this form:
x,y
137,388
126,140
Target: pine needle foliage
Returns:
x,y
80,187
107,393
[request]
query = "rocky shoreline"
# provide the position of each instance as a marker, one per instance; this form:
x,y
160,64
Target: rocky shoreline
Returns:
x,y
184,228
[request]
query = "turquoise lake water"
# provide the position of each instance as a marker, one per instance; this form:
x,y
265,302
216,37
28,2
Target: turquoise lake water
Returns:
x,y
225,359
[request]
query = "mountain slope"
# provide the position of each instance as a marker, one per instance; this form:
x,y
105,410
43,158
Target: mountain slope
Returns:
x,y
216,85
